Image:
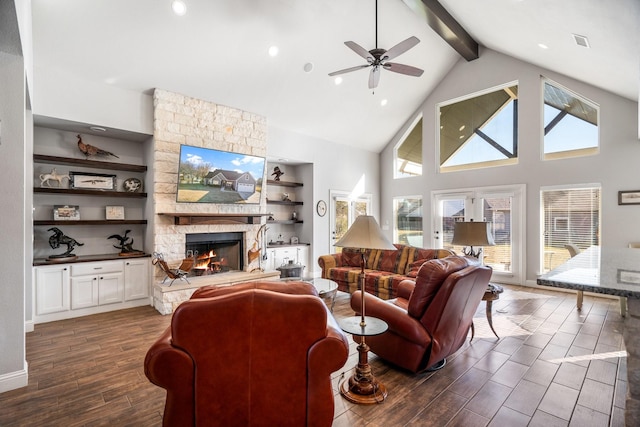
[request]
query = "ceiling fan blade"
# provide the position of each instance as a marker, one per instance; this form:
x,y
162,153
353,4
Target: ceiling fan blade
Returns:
x,y
403,69
401,47
348,70
374,77
359,50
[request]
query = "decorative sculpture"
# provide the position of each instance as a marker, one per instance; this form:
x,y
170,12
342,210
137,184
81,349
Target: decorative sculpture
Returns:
x,y
53,176
277,173
58,238
126,244
91,150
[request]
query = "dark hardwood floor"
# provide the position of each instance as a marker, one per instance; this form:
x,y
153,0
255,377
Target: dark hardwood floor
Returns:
x,y
552,366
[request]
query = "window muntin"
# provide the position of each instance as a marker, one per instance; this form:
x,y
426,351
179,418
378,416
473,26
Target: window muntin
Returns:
x,y
570,215
479,131
570,123
407,213
407,154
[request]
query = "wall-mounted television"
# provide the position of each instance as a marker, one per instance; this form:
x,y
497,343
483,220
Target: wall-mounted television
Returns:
x,y
206,175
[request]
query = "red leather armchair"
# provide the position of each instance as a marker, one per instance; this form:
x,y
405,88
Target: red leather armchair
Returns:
x,y
431,317
251,354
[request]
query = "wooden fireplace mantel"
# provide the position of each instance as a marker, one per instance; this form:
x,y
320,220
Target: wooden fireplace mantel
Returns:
x,y
215,218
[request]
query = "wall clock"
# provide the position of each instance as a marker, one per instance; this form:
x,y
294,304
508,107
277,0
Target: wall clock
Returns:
x,y
321,207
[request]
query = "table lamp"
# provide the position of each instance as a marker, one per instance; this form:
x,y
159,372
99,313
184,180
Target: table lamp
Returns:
x,y
472,234
362,387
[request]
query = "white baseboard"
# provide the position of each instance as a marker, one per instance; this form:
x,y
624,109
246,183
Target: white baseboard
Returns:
x,y
14,380
28,326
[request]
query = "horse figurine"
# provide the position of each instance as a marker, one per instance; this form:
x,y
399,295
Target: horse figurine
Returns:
x,y
58,238
53,176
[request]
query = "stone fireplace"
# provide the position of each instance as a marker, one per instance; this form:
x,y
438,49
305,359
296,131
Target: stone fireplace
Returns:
x,y
179,120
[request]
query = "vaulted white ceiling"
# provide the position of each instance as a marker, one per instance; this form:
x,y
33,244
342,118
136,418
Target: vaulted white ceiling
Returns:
x,y
218,51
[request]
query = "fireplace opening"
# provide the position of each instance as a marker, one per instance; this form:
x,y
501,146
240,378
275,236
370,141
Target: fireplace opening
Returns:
x,y
215,252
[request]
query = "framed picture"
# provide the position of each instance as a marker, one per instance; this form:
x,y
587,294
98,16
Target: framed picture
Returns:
x,y
115,212
92,181
66,213
629,197
629,276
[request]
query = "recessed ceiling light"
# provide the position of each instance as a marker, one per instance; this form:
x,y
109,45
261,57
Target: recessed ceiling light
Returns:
x,y
97,129
338,80
543,46
461,128
273,51
308,67
383,102
179,7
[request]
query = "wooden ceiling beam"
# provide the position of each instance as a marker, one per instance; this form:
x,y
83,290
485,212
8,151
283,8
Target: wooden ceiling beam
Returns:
x,y
446,27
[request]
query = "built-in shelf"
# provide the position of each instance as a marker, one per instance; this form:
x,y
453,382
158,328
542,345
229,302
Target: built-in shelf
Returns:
x,y
284,183
215,218
87,192
91,222
283,202
89,258
40,158
284,221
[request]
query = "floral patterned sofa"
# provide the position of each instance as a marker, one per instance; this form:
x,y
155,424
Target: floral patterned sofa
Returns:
x,y
384,269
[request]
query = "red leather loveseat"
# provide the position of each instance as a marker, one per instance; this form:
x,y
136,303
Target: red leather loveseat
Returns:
x,y
258,353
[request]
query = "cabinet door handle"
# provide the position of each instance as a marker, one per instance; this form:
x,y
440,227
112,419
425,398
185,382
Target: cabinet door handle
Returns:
x,y
97,268
95,278
102,278
65,269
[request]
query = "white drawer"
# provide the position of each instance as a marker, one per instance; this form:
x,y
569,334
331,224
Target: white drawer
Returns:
x,y
86,268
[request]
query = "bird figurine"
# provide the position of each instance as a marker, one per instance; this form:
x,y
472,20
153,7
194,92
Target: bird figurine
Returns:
x,y
126,244
278,173
91,150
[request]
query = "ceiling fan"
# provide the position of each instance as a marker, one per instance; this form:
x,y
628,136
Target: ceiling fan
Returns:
x,y
377,58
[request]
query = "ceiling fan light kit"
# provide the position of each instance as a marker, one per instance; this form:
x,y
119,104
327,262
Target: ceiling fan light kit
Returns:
x,y
378,58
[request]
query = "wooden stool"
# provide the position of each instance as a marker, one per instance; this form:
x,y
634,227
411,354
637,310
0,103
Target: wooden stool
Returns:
x,y
491,294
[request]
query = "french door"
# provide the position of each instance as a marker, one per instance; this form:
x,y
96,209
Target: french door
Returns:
x,y
344,210
502,208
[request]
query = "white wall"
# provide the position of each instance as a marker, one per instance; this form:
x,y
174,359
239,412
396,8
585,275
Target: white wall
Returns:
x,y
616,167
62,96
15,242
335,167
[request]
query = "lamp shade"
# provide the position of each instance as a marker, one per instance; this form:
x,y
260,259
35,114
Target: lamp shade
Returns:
x,y
365,233
472,234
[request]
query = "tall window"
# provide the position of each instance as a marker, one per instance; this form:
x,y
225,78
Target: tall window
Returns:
x,y
570,215
407,212
502,207
570,123
408,152
479,131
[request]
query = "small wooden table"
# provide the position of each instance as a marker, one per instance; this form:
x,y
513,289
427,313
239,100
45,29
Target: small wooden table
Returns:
x,y
491,294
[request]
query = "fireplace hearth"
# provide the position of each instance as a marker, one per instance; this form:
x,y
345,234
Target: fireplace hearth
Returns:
x,y
215,252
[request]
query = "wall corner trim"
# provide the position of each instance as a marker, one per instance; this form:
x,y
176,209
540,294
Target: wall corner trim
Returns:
x,y
14,380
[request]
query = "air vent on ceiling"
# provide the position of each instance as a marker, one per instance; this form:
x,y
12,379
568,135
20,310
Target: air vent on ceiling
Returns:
x,y
581,40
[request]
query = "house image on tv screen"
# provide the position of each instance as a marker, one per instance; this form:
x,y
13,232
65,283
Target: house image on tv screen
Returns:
x,y
240,182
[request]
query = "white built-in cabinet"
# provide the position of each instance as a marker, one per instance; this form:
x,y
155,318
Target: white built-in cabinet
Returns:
x,y
70,290
52,286
136,273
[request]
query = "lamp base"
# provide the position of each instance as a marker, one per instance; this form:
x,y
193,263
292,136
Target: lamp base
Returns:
x,y
362,387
